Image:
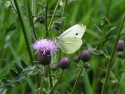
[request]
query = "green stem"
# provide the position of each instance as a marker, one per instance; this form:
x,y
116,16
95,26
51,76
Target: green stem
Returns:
x,y
56,82
112,55
31,20
63,15
24,30
64,12
51,21
13,6
41,86
46,25
77,79
50,77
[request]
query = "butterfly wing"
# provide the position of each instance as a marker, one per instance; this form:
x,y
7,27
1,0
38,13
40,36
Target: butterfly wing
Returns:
x,y
69,44
75,31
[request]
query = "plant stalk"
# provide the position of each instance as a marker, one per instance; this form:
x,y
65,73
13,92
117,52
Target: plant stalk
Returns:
x,y
51,21
31,21
46,25
112,55
24,30
56,82
77,79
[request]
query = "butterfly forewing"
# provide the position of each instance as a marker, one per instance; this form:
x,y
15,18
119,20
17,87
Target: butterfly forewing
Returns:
x,y
75,31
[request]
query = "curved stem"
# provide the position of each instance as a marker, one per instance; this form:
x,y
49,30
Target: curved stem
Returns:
x,y
56,82
24,29
31,21
112,55
50,77
41,86
51,21
64,12
46,25
77,79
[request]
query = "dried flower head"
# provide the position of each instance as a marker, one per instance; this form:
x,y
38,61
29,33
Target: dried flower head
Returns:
x,y
120,46
85,55
45,45
64,63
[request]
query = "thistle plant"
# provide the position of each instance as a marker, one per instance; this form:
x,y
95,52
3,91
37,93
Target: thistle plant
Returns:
x,y
34,60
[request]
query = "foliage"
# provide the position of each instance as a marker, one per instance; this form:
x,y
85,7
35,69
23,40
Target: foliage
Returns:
x,y
102,19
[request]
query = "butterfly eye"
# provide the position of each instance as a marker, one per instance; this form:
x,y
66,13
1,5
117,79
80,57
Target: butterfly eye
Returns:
x,y
76,33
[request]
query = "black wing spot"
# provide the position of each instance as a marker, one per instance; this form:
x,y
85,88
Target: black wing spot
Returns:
x,y
76,33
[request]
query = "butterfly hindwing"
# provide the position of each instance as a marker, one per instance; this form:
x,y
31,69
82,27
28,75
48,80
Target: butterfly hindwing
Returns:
x,y
70,44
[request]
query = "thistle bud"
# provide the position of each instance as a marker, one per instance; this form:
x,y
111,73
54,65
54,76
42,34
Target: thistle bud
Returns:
x,y
44,58
120,46
64,63
120,54
53,67
58,26
42,20
87,65
85,55
76,58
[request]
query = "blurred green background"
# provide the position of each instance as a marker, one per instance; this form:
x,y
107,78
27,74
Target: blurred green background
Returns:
x,y
13,47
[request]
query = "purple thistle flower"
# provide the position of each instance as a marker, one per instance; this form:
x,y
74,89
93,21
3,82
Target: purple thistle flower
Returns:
x,y
44,59
120,46
45,45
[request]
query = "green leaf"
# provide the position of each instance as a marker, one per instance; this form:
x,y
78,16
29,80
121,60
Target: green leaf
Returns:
x,y
14,74
7,83
20,79
18,68
23,64
31,70
24,10
104,21
109,32
95,25
3,90
60,20
110,37
38,3
95,51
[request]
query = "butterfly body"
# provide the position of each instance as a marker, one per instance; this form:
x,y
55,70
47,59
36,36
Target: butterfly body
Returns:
x,y
70,40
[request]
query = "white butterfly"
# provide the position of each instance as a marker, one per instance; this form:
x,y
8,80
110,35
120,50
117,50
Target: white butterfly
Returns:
x,y
70,40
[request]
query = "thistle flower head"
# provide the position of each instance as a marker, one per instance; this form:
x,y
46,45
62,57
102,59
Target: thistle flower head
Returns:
x,y
87,65
45,45
85,55
76,58
120,46
45,58
64,63
53,66
120,54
